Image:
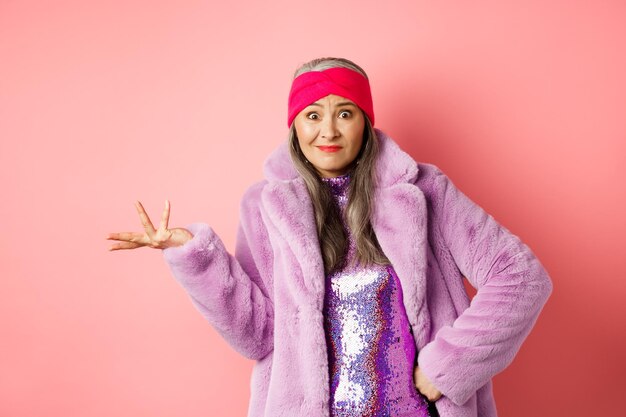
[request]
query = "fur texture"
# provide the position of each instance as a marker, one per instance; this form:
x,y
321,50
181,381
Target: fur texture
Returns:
x,y
266,300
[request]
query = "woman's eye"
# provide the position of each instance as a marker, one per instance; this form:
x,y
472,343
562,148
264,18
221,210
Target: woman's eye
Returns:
x,y
346,112
312,116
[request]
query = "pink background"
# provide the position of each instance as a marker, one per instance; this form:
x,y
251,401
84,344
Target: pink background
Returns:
x,y
102,103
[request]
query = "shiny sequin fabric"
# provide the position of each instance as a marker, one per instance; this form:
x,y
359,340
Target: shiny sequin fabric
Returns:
x,y
371,350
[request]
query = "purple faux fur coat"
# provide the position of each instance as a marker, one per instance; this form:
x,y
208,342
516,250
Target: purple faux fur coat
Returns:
x,y
266,300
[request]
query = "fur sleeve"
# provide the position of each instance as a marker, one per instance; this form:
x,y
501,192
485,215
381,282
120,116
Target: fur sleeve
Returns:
x,y
512,288
230,291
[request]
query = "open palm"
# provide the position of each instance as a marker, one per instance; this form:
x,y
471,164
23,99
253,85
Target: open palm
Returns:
x,y
160,238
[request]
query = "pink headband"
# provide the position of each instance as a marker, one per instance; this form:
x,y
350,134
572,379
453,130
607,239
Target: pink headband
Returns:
x,y
310,86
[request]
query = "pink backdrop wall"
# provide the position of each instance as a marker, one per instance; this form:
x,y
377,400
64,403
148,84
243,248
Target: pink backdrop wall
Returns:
x,y
522,103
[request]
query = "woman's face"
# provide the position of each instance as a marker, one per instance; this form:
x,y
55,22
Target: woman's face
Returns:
x,y
330,134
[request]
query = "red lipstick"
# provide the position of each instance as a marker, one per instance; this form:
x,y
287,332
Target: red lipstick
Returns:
x,y
329,148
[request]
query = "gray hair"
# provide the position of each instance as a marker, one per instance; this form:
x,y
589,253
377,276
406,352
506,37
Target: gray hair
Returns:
x,y
321,64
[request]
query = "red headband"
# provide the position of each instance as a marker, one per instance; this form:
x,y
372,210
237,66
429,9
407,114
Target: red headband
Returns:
x,y
313,85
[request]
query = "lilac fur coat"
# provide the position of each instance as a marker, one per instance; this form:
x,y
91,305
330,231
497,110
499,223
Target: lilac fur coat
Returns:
x,y
266,300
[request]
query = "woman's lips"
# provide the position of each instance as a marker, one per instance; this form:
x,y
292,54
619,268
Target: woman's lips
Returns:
x,y
329,148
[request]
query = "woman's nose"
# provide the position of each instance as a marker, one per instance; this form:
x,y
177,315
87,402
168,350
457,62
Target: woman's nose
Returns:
x,y
329,128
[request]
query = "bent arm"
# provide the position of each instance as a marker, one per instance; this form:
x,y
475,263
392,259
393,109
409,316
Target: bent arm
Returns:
x,y
227,290
512,288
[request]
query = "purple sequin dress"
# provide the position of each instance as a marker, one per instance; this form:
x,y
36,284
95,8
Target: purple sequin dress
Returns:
x,y
371,350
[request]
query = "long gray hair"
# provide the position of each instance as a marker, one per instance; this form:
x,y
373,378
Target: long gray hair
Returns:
x,y
332,235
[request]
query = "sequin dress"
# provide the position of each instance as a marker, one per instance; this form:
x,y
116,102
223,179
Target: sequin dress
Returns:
x,y
371,350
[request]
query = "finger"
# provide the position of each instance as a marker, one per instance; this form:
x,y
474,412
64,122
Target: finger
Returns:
x,y
128,237
124,245
145,220
165,217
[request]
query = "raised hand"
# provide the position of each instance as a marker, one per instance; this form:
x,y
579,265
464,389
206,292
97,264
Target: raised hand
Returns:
x,y
160,238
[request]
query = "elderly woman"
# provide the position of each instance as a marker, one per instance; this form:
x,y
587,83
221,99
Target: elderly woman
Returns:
x,y
346,283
